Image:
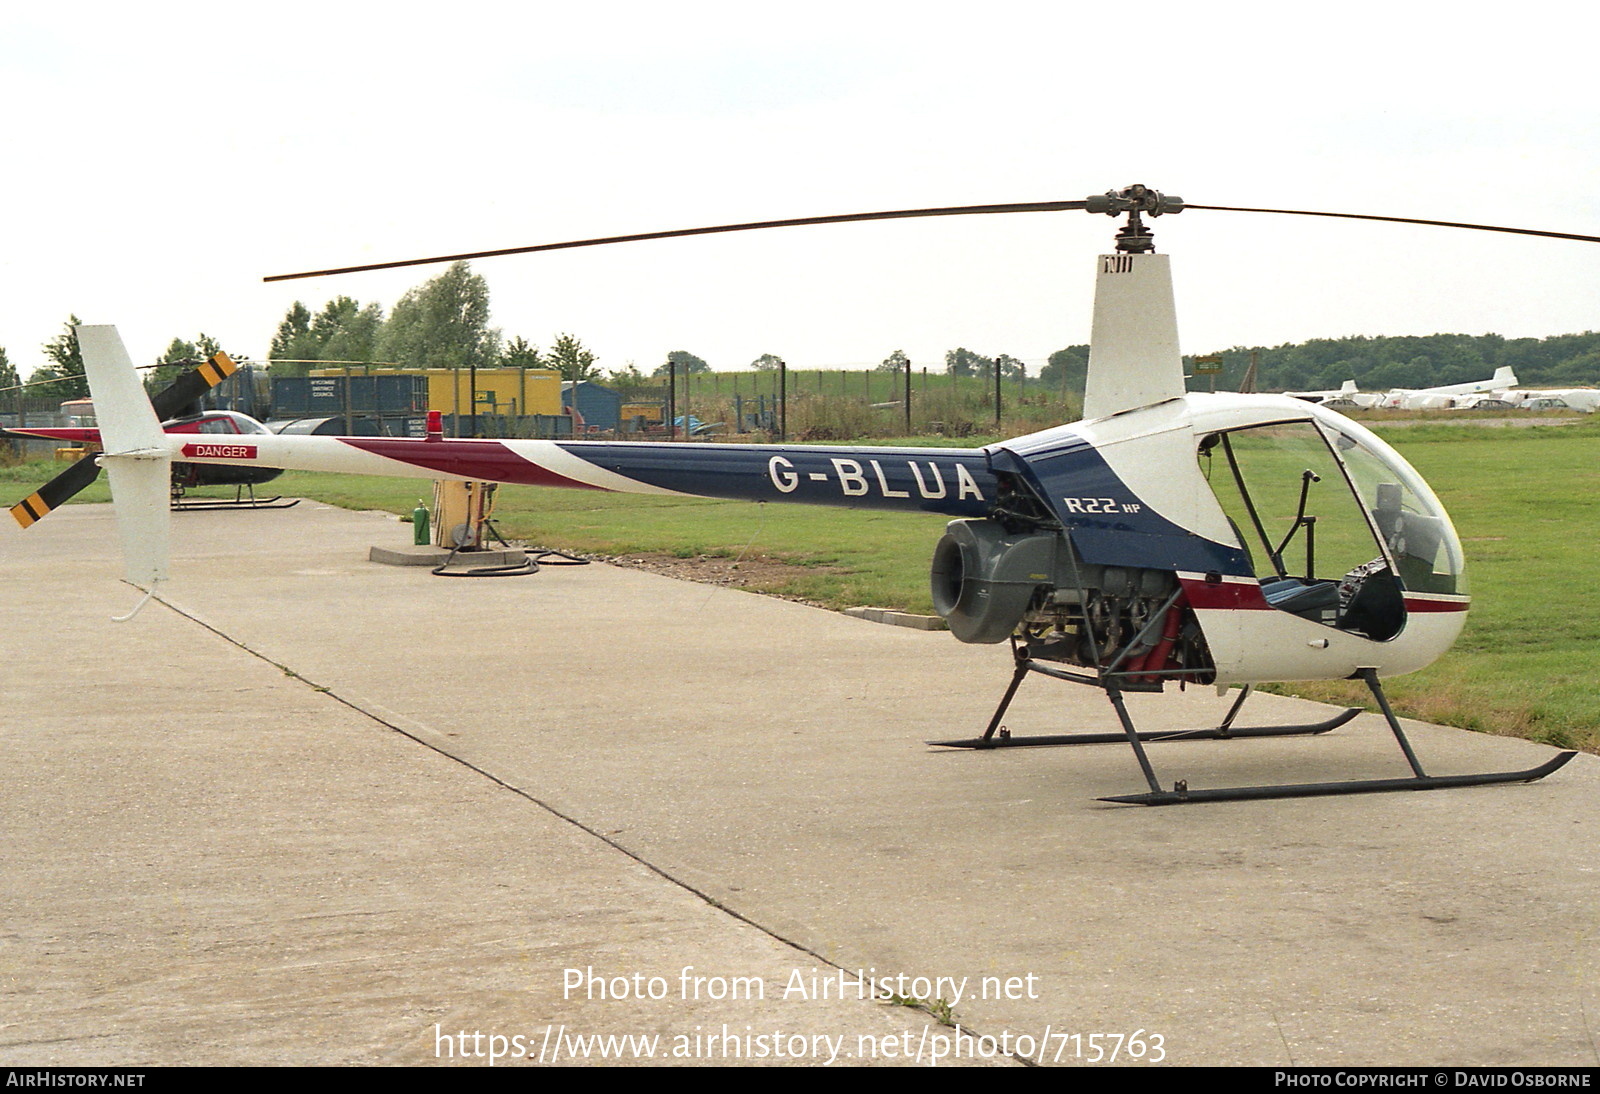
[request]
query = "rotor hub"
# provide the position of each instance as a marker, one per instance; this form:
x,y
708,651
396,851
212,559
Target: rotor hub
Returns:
x,y
1134,237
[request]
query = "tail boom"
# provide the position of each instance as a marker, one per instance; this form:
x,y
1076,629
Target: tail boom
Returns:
x,y
953,482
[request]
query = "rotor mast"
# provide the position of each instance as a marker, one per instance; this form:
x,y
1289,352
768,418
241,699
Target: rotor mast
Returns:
x,y
1134,359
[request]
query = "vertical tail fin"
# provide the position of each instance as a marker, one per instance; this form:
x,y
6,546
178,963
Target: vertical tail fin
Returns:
x,y
137,458
1133,355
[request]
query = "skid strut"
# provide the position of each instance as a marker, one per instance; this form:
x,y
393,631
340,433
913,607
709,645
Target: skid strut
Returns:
x,y
1225,731
1181,794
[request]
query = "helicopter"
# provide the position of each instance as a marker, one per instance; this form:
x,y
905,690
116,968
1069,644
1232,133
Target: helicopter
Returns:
x,y
178,405
1170,537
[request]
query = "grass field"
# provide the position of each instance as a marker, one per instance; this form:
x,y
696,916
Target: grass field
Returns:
x,y
1525,501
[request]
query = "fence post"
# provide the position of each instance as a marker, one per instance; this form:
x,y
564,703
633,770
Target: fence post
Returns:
x,y
997,361
908,397
672,400
783,400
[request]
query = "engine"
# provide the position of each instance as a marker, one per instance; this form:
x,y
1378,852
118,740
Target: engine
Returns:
x,y
1014,575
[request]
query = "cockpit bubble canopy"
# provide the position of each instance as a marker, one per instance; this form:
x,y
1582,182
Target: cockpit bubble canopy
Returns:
x,y
1334,522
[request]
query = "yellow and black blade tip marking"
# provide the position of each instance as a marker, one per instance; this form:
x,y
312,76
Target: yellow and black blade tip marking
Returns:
x,y
218,369
32,509
29,510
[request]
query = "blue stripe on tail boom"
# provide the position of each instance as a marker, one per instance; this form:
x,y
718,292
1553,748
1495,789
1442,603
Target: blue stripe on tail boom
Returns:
x,y
954,482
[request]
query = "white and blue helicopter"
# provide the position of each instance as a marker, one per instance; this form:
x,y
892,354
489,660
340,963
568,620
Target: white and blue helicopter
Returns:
x,y
1170,537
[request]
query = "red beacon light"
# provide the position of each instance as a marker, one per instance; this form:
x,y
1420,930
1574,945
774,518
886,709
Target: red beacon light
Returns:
x,y
435,425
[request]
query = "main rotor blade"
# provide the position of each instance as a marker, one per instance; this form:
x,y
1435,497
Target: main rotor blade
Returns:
x,y
55,492
1400,220
846,218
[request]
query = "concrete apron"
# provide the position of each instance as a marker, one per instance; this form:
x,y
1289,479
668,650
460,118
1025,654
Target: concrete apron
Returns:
x,y
352,890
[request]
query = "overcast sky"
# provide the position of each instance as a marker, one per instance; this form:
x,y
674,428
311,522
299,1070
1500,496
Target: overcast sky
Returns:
x,y
162,158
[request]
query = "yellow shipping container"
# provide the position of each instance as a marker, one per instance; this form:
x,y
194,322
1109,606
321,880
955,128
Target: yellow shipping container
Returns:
x,y
514,391
650,412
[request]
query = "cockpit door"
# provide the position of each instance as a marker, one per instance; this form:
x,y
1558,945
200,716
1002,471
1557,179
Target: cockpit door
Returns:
x,y
1312,542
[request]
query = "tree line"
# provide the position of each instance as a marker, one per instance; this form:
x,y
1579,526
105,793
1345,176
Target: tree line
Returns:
x,y
444,323
1378,363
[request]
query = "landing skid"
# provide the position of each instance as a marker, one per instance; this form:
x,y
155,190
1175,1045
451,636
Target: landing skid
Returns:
x,y
182,504
996,736
1182,794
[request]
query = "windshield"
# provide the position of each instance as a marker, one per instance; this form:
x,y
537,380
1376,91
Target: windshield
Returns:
x,y
1413,526
1337,527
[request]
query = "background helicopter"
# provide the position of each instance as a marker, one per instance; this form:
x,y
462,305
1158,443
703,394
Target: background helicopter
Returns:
x,y
177,405
1170,537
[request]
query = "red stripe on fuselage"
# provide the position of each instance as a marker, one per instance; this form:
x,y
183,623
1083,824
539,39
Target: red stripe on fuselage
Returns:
x,y
59,433
1418,604
486,461
1225,595
1247,596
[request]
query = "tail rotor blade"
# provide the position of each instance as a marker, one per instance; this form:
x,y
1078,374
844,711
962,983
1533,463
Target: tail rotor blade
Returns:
x,y
55,492
168,403
189,387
